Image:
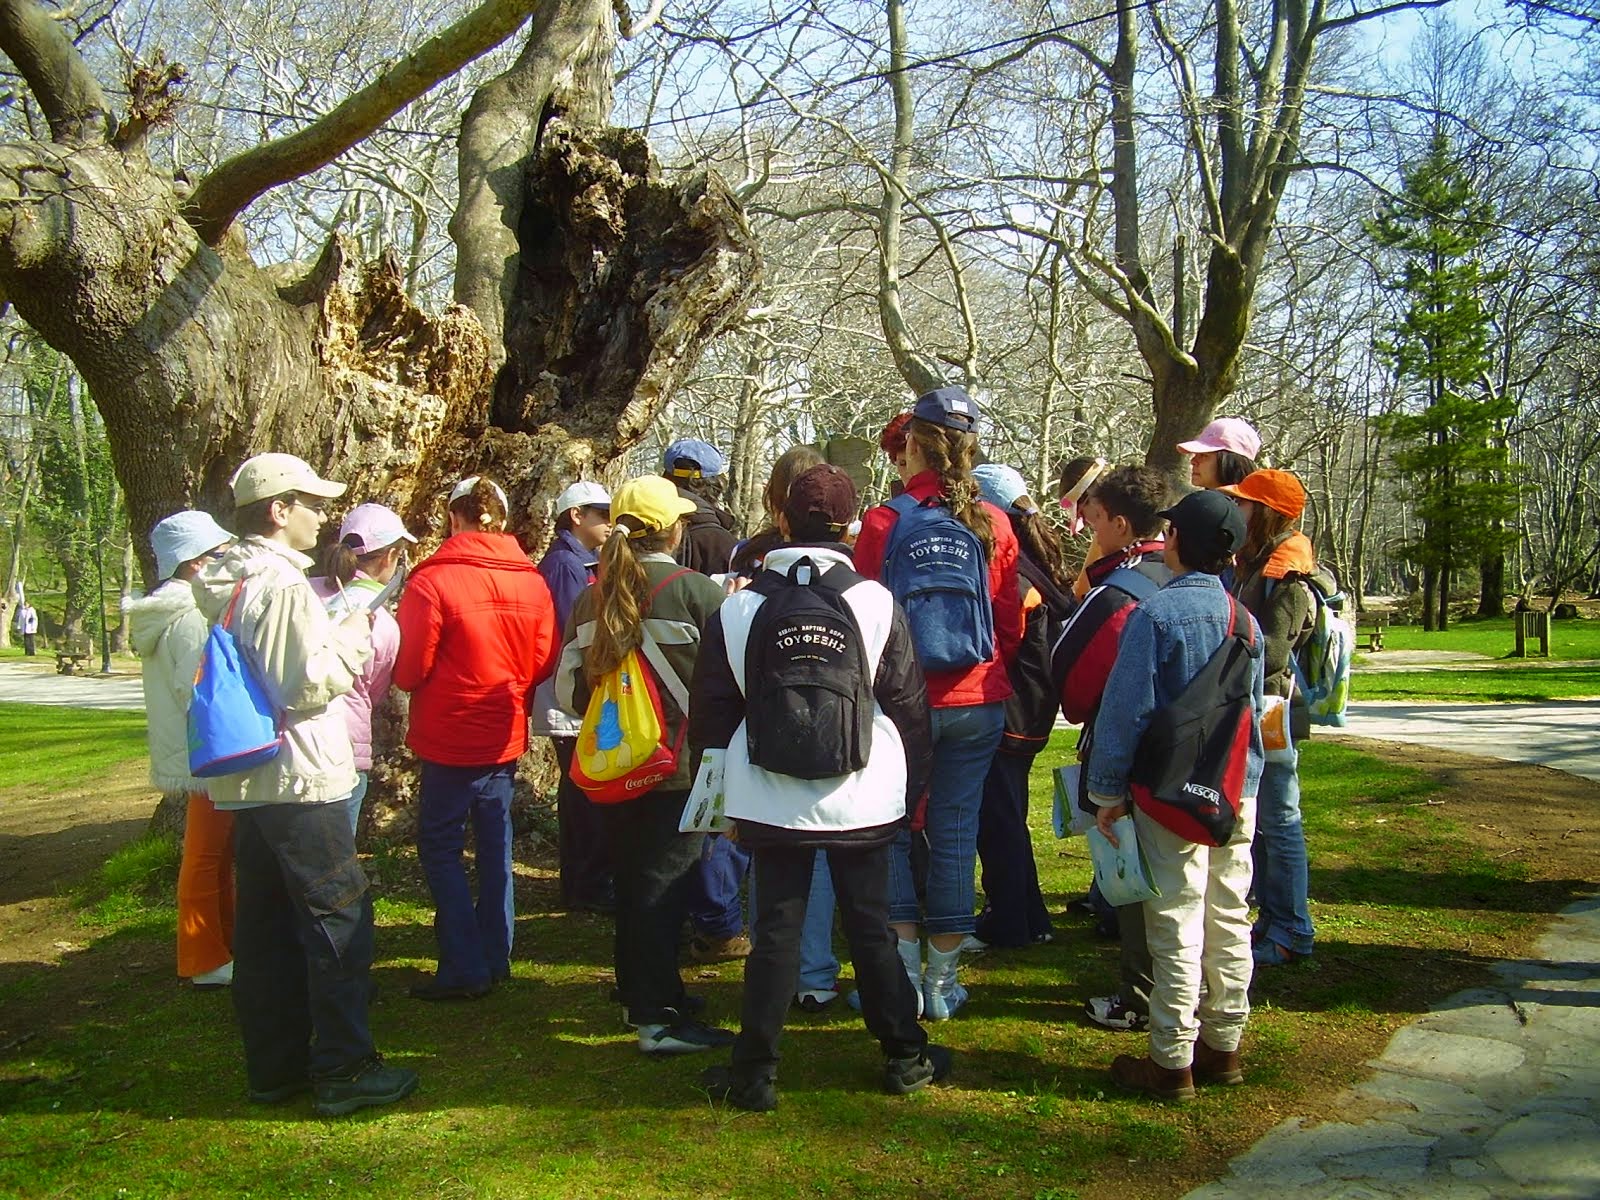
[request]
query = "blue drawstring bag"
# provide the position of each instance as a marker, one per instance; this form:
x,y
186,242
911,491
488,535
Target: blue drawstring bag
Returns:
x,y
233,727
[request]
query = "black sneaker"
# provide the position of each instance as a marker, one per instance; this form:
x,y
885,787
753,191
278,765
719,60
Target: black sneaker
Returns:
x,y
902,1076
720,1083
682,1037
437,992
373,1083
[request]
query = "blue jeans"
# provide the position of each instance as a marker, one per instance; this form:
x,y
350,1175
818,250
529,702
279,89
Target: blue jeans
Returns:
x,y
1282,877
714,905
474,942
302,944
353,804
964,743
819,968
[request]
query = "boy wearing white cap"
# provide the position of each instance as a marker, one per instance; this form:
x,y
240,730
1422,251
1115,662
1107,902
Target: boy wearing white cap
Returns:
x,y
168,633
303,927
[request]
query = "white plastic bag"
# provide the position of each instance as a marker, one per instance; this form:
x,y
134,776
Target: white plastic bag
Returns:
x,y
1120,870
1067,816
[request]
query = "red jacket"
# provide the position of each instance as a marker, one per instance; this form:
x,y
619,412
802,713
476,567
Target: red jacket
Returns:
x,y
986,682
477,635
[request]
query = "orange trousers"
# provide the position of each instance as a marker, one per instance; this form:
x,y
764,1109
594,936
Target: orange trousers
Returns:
x,y
205,889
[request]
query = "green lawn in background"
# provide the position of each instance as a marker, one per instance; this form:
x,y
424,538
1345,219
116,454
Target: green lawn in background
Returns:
x,y
131,1086
1493,636
1510,685
51,746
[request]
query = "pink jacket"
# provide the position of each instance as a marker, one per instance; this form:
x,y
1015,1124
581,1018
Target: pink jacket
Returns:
x,y
372,685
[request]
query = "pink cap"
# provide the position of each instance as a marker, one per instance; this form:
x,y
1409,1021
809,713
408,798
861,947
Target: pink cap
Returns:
x,y
372,527
1226,433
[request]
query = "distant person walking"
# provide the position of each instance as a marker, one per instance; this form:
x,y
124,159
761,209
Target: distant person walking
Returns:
x,y
28,627
168,633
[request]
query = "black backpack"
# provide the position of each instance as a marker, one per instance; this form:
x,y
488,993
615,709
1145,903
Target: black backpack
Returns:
x,y
808,685
1188,772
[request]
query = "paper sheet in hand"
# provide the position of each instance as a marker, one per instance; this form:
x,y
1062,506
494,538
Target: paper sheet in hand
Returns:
x,y
1120,870
703,812
1068,817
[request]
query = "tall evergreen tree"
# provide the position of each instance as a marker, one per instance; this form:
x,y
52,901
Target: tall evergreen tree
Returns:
x,y
1450,437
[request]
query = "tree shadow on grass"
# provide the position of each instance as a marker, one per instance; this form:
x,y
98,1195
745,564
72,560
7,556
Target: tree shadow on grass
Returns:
x,y
31,864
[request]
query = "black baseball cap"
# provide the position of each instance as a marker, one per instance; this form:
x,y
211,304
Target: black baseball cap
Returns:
x,y
1209,525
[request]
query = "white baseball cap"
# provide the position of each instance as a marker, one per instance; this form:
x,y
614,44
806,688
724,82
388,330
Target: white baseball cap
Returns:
x,y
464,488
371,527
583,494
269,475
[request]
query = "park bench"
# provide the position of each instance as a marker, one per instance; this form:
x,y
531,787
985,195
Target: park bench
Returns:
x,y
1531,626
1370,625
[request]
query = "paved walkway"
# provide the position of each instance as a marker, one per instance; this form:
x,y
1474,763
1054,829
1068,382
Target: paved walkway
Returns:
x,y
23,682
1494,1094
1561,734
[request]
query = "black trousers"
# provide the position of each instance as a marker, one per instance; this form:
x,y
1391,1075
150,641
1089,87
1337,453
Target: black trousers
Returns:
x,y
302,943
771,973
652,862
1013,907
585,856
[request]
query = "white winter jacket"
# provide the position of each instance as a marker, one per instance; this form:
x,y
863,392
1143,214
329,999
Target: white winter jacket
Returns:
x,y
303,659
168,633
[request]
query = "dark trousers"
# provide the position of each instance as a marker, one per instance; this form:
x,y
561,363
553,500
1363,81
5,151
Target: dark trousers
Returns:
x,y
714,904
653,863
1013,910
1135,966
302,943
29,647
585,857
861,884
474,939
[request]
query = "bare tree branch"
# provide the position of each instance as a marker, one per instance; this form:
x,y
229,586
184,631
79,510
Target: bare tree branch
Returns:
x,y
71,97
227,191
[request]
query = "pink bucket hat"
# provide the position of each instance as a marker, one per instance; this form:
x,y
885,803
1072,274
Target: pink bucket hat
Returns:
x,y
1226,433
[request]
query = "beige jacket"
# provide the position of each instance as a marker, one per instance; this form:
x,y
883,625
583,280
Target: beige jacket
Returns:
x,y
304,660
169,633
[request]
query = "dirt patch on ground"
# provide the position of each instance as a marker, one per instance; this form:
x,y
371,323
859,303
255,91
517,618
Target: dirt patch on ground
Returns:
x,y
48,843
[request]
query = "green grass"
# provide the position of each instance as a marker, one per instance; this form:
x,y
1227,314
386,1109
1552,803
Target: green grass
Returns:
x,y
1519,685
134,892
46,746
131,1085
1492,636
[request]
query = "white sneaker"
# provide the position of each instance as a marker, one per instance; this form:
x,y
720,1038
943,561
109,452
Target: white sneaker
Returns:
x,y
220,978
973,944
686,1037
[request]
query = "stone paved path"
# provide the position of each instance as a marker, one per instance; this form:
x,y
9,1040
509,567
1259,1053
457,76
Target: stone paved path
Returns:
x,y
1495,1094
25,682
1562,734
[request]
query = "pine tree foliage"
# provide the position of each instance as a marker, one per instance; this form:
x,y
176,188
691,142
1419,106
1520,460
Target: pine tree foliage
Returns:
x,y
1451,454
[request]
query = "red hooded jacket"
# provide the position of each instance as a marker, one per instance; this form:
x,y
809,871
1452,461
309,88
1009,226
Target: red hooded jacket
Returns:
x,y
986,682
477,635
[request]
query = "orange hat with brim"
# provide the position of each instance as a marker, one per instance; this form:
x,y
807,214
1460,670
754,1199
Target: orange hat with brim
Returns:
x,y
1278,490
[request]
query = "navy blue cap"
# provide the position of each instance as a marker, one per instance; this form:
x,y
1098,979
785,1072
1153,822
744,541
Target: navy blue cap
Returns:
x,y
948,406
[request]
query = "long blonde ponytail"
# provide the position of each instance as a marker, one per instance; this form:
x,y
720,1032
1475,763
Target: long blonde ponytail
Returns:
x,y
949,454
622,597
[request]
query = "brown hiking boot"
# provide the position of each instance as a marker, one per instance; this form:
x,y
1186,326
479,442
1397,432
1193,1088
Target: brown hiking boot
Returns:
x,y
1216,1066
703,949
1145,1075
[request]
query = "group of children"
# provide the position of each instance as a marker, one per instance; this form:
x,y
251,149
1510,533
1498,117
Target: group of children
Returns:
x,y
875,685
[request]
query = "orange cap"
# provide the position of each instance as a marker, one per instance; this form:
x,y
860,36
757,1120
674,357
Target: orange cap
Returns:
x,y
1278,490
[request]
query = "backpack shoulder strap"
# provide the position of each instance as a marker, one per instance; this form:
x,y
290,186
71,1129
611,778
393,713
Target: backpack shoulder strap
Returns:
x,y
657,659
1136,583
678,574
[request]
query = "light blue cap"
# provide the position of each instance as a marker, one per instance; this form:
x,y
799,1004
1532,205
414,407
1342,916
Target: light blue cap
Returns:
x,y
1001,486
691,450
184,536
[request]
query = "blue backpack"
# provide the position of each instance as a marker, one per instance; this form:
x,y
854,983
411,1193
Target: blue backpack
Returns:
x,y
233,726
936,568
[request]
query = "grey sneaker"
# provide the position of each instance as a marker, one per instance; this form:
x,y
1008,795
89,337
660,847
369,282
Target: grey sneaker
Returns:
x,y
684,1037
373,1083
902,1076
1113,1013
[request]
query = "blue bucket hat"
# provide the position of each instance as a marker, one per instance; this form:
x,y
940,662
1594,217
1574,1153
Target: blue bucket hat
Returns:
x,y
184,536
688,458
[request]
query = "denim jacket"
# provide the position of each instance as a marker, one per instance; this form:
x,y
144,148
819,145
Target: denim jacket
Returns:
x,y
1167,640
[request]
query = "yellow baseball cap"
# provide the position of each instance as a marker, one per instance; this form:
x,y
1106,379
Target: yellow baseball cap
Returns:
x,y
652,502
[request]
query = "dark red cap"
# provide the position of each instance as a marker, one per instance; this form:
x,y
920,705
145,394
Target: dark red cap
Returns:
x,y
824,489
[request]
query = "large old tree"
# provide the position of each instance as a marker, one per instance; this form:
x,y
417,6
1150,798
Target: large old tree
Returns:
x,y
586,286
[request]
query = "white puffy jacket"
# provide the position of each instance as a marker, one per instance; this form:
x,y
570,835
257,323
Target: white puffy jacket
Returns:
x,y
168,633
303,659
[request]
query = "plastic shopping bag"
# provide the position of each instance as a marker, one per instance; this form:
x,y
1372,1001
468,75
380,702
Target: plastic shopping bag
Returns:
x,y
1068,816
1121,870
703,813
